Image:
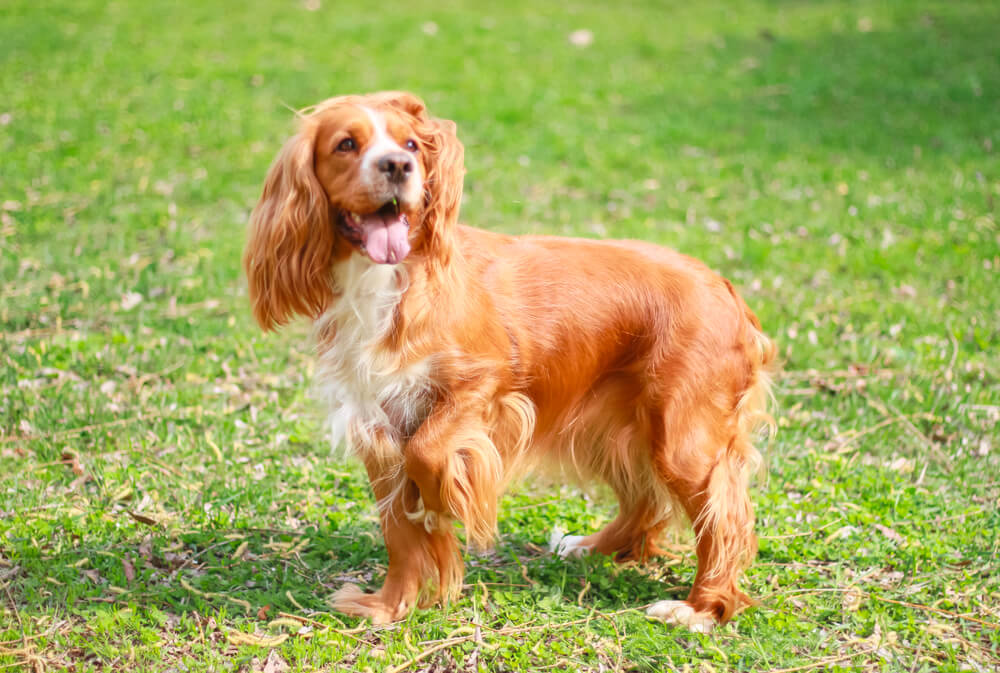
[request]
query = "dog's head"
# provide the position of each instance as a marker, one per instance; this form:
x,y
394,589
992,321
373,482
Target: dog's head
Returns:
x,y
365,175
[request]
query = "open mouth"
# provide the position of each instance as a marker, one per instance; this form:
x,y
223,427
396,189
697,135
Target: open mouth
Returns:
x,y
382,235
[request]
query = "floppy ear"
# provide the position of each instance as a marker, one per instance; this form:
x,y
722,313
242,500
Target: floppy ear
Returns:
x,y
445,174
444,163
291,242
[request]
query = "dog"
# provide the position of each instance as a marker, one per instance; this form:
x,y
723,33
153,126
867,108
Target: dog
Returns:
x,y
454,359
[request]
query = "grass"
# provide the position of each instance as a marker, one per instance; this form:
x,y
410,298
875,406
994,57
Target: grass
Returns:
x,y
167,495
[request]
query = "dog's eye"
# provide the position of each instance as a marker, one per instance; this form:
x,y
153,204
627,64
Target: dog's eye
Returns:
x,y
411,145
347,145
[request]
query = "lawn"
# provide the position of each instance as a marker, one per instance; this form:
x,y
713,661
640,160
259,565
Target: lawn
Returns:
x,y
168,498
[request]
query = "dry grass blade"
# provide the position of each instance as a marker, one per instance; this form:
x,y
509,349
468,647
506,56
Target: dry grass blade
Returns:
x,y
823,663
509,631
242,638
210,594
25,651
431,650
927,608
72,432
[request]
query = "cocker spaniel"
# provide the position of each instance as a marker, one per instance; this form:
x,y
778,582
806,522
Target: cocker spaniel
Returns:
x,y
454,359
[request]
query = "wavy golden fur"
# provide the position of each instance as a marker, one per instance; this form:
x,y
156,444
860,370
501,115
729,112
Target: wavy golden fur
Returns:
x,y
479,356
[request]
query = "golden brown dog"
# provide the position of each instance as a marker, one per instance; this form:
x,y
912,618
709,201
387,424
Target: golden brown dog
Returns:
x,y
454,359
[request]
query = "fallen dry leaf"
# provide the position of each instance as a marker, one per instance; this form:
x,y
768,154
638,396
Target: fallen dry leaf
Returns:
x,y
146,548
241,638
275,664
130,300
851,600
142,518
129,569
889,533
71,460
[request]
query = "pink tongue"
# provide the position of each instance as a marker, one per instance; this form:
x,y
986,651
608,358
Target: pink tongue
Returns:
x,y
385,237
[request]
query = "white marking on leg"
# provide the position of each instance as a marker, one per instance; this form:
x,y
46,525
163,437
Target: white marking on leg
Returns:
x,y
431,521
683,614
418,515
567,545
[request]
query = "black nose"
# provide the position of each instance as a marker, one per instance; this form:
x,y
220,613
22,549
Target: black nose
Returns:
x,y
397,166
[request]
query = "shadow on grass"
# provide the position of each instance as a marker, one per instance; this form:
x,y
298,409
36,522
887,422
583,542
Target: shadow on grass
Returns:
x,y
257,573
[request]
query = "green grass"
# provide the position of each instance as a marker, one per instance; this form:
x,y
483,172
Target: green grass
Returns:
x,y
165,482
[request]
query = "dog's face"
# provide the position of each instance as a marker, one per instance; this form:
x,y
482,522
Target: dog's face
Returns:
x,y
368,161
365,175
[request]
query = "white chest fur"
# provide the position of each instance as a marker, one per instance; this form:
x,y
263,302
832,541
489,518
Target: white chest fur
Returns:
x,y
365,386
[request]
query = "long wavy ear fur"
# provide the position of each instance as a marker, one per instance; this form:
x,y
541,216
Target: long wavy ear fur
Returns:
x,y
445,177
291,242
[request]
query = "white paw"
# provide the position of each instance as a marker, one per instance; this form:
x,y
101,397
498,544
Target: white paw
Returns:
x,y
567,545
680,612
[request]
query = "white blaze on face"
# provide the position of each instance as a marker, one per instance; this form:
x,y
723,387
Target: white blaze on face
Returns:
x,y
384,233
381,145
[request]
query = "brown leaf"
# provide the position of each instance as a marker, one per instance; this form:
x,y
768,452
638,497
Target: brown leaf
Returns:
x,y
142,518
851,599
129,569
72,461
275,664
174,561
889,533
78,482
146,548
262,612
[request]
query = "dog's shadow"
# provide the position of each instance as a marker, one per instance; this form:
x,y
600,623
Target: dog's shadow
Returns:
x,y
590,582
260,573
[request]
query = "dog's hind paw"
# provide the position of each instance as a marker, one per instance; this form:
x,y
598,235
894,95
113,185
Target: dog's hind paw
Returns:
x,y
683,614
566,546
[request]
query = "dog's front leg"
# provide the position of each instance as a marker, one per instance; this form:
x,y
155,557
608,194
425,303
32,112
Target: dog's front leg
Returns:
x,y
457,469
450,470
425,565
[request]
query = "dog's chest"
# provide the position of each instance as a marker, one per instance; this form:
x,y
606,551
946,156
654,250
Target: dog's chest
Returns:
x,y
372,396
